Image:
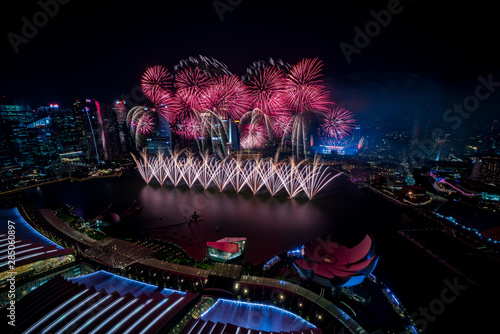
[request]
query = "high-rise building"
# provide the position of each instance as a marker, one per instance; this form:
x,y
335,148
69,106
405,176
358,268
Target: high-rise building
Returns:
x,y
494,135
68,128
486,169
45,149
20,139
89,120
110,135
125,139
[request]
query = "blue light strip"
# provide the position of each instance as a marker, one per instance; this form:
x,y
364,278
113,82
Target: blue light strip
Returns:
x,y
17,247
69,324
160,316
114,276
110,306
41,321
96,330
261,305
21,252
47,329
144,316
21,224
204,313
28,256
137,309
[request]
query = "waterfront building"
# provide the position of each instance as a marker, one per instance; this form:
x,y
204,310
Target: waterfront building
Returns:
x,y
226,249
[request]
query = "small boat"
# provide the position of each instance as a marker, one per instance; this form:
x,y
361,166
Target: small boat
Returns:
x,y
216,228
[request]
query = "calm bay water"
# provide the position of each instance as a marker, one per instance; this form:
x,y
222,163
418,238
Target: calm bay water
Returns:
x,y
271,225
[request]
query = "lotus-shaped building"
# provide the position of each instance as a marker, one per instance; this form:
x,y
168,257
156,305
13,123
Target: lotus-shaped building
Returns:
x,y
331,264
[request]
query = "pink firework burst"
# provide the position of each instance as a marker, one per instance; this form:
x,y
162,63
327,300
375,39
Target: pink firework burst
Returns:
x,y
227,96
267,90
304,91
253,135
190,128
146,124
338,123
281,123
155,84
255,128
191,85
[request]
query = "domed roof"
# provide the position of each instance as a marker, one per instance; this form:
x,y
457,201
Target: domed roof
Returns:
x,y
110,219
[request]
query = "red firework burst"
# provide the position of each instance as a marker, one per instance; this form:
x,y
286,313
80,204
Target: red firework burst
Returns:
x,y
281,123
191,85
155,84
227,96
253,135
191,128
255,129
304,91
146,124
267,90
338,123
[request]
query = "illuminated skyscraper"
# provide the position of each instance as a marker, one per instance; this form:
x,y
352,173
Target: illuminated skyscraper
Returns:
x,y
68,128
15,116
89,121
125,140
486,169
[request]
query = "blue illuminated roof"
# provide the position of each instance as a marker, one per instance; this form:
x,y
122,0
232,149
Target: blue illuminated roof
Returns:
x,y
111,282
23,230
255,316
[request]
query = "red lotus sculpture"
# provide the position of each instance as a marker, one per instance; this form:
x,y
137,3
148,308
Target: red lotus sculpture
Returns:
x,y
331,264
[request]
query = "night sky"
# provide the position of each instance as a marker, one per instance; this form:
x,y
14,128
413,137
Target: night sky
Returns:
x,y
427,57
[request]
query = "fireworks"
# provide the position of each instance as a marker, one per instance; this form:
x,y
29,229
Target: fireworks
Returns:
x,y
304,91
272,101
255,174
267,89
255,128
361,142
307,98
146,124
227,97
211,66
337,124
191,127
191,84
155,84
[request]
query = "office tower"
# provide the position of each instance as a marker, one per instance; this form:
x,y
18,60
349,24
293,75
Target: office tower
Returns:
x,y
19,138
